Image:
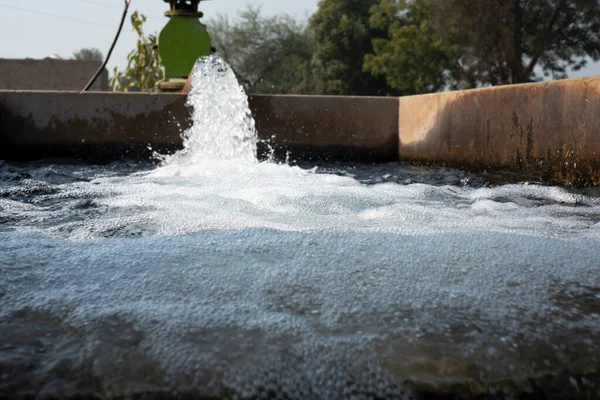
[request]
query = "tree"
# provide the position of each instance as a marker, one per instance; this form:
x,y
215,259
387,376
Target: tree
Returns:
x,y
268,55
343,38
412,58
88,54
509,41
143,67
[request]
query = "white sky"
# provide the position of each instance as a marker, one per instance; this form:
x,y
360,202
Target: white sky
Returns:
x,y
27,31
39,28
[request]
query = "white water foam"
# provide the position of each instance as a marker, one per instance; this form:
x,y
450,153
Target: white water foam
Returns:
x,y
224,267
222,124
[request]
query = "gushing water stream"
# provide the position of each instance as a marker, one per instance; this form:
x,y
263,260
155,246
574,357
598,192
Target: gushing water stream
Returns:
x,y
223,127
217,274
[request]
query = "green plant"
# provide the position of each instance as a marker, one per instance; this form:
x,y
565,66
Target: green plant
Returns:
x,y
143,66
505,42
267,54
343,38
412,58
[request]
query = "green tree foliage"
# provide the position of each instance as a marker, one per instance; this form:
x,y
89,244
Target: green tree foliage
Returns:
x,y
88,54
268,55
344,36
389,47
512,41
412,58
143,67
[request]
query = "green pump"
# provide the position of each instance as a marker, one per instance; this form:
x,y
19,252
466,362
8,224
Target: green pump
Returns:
x,y
181,42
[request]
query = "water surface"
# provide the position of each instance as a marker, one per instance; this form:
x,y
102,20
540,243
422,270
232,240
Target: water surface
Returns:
x,y
214,274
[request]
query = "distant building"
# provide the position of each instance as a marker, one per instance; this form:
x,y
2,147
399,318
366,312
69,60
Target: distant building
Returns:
x,y
50,74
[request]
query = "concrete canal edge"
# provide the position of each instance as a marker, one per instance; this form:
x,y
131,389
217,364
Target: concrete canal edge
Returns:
x,y
361,129
95,126
107,126
546,131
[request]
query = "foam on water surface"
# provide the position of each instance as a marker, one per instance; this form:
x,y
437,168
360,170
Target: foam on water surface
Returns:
x,y
219,272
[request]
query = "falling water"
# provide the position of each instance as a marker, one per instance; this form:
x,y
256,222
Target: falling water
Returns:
x,y
222,124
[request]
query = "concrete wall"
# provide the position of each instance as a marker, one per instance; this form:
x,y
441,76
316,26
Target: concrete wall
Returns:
x,y
50,74
544,131
547,131
93,126
328,128
113,125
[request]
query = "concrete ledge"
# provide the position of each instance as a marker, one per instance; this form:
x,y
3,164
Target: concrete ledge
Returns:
x,y
92,126
108,126
546,131
327,127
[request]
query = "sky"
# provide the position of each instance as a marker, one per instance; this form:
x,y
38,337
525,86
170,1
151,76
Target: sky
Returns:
x,y
40,28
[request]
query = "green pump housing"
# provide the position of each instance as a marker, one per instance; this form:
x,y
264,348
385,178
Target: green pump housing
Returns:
x,y
181,42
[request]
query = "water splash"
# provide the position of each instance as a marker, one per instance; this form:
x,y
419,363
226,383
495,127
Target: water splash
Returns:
x,y
223,127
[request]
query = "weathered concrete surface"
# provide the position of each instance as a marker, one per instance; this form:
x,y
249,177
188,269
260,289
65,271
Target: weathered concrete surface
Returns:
x,y
328,128
545,131
93,126
99,126
50,74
